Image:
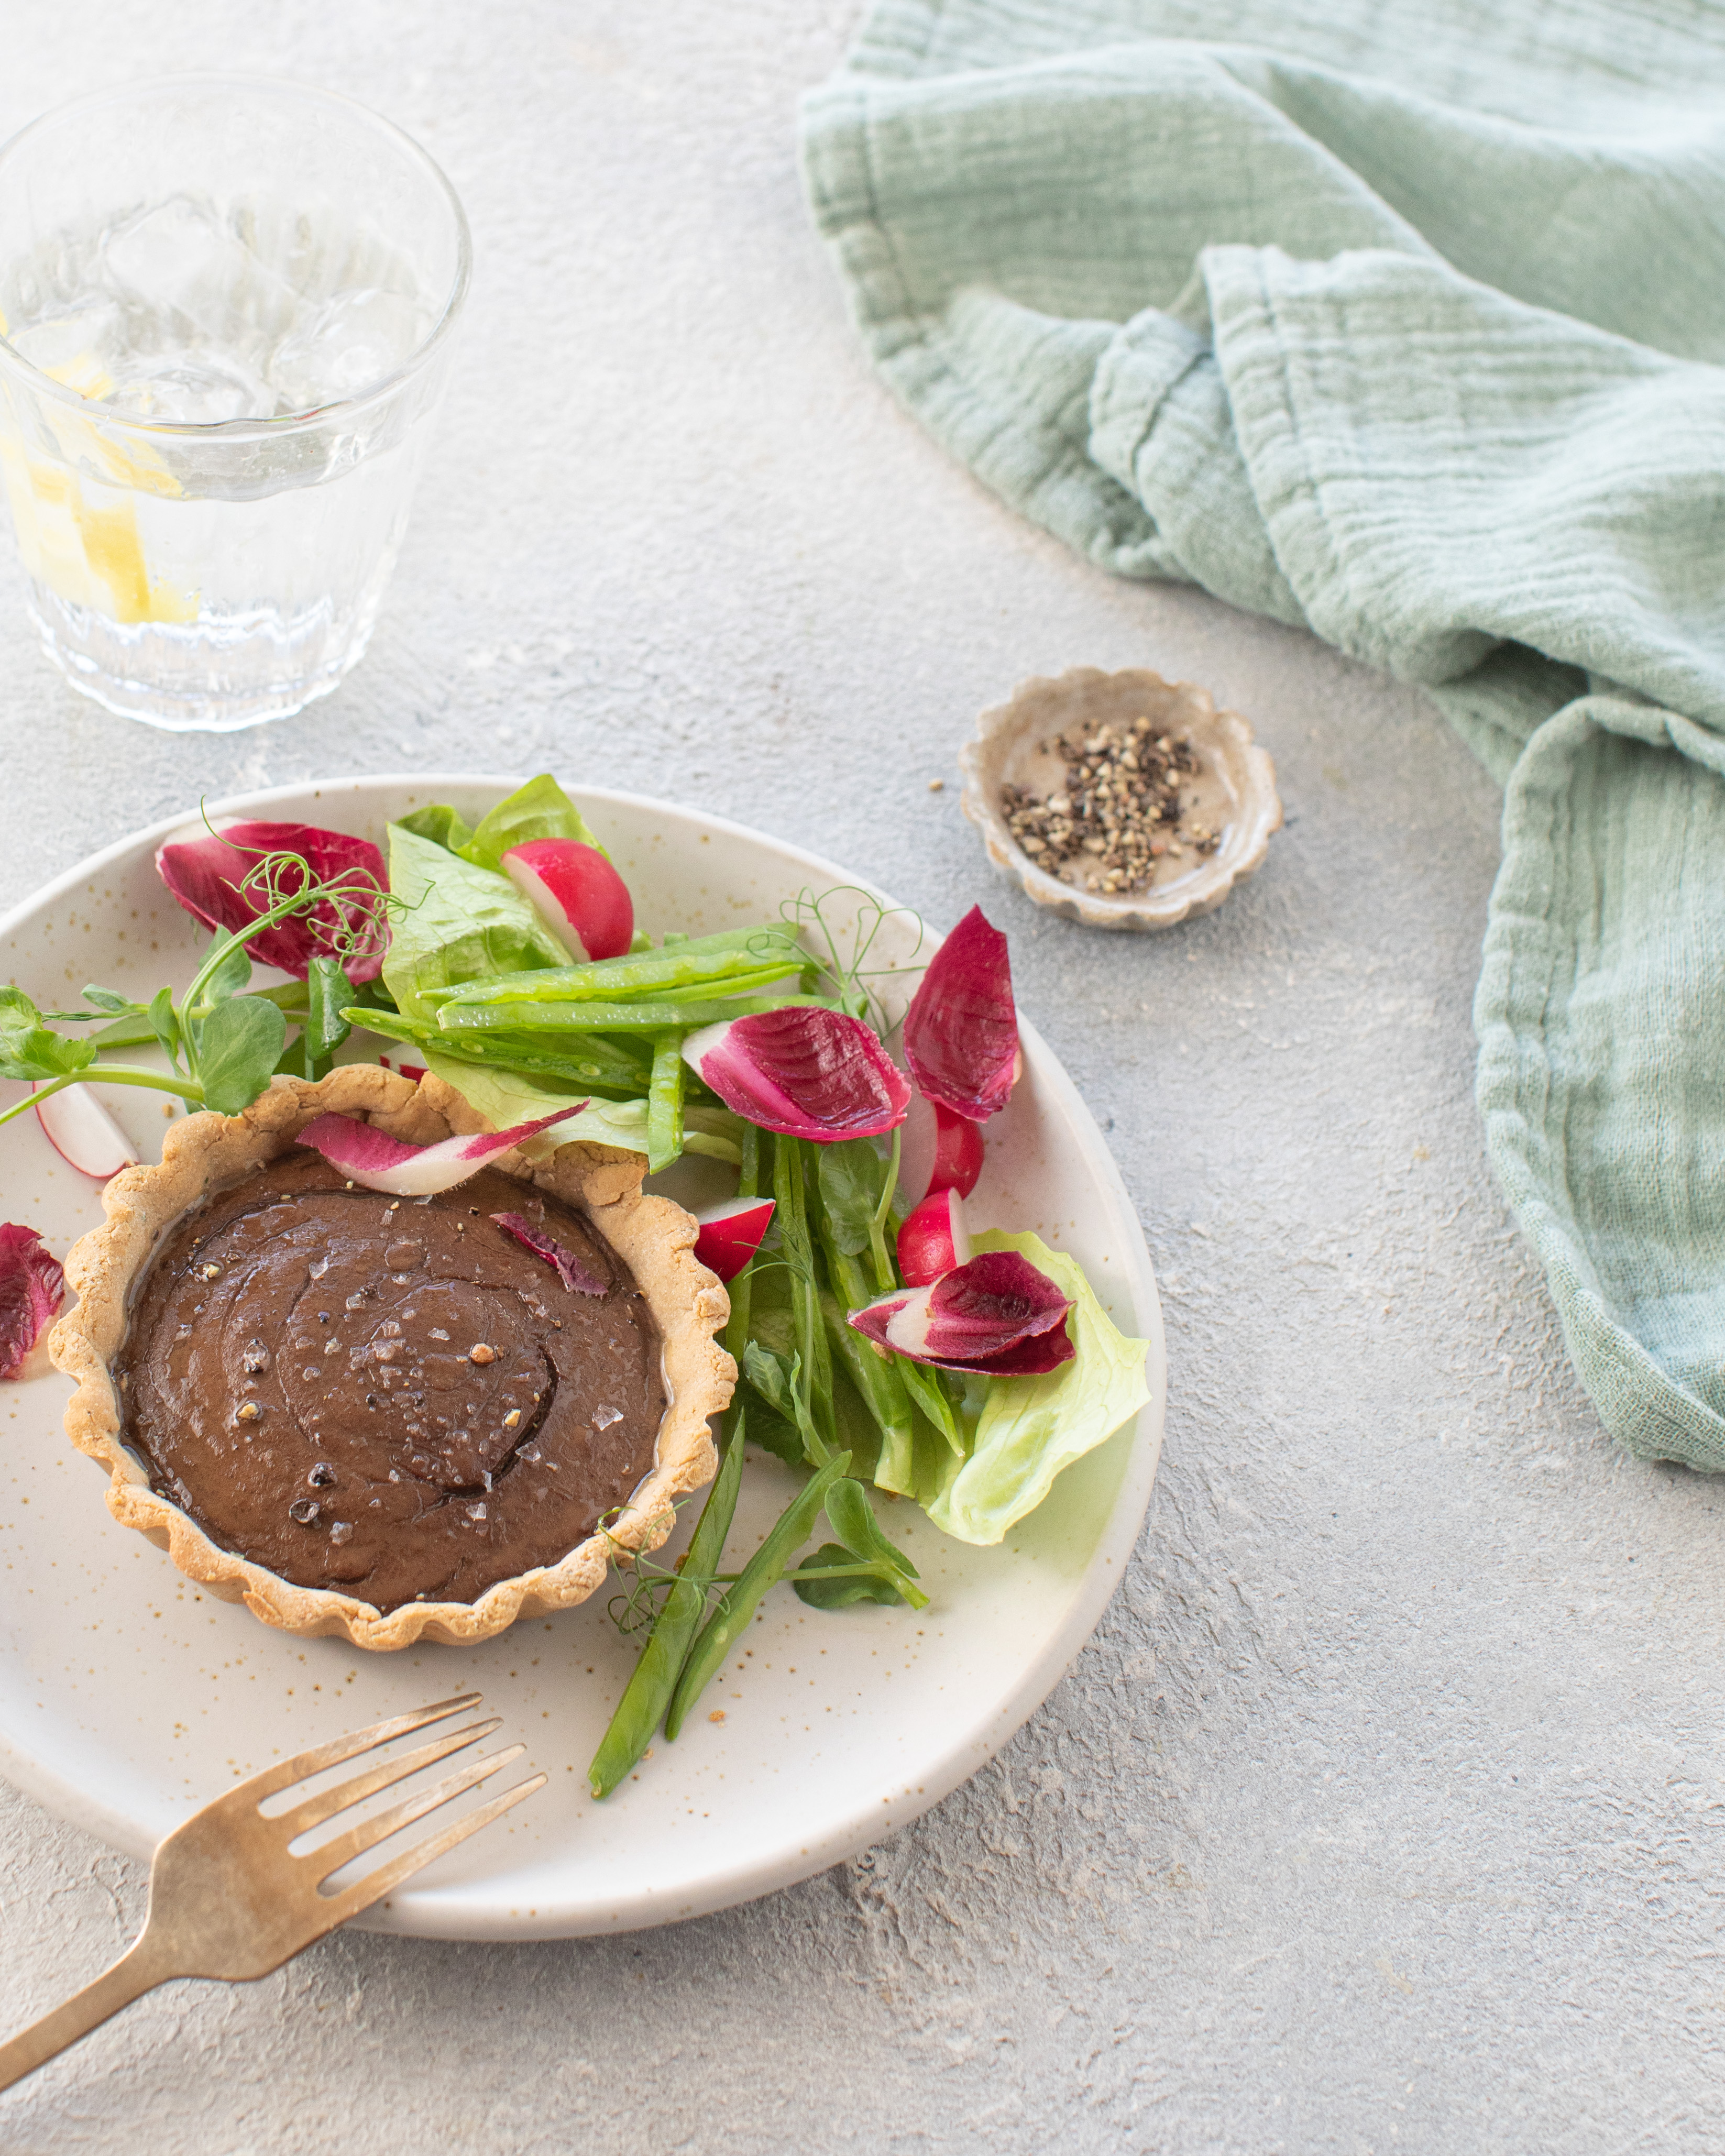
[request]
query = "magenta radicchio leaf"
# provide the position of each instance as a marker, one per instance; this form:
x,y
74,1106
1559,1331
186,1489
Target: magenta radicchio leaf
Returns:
x,y
372,1158
205,875
577,1278
32,1289
804,1070
961,1031
995,1316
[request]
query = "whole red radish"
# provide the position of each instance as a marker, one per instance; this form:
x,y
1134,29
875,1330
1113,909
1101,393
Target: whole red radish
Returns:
x,y
577,892
731,1234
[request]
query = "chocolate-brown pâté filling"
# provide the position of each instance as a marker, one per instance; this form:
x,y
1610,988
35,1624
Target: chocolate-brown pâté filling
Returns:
x,y
389,1397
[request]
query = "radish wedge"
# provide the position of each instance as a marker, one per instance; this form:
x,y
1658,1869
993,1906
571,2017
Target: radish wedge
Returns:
x,y
577,893
378,1162
81,1131
942,1150
961,1031
32,1289
933,1240
730,1234
996,1315
805,1071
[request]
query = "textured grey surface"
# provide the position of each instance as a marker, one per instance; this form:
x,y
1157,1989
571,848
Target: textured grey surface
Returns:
x,y
1382,1812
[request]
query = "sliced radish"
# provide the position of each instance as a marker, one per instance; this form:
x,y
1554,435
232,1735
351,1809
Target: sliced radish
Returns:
x,y
81,1131
731,1234
996,1315
942,1150
962,1031
577,892
378,1162
579,1278
416,1071
934,1239
804,1070
32,1289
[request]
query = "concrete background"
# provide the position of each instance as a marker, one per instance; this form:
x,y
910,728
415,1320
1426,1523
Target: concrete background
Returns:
x,y
1383,1812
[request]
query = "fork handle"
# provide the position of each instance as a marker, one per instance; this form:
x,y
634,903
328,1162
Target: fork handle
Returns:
x,y
136,1972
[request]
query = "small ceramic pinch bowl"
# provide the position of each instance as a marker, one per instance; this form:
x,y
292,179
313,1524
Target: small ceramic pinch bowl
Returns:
x,y
1233,791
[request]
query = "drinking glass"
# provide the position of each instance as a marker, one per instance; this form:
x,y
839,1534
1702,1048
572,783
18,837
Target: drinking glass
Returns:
x,y
227,311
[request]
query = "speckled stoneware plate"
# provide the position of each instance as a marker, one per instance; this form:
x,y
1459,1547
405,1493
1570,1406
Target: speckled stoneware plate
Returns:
x,y
128,1697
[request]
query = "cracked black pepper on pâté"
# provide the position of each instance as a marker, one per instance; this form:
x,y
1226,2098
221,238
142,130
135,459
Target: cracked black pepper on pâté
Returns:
x,y
1118,811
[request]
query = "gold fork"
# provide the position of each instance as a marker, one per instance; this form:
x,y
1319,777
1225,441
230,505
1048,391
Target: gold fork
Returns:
x,y
229,1899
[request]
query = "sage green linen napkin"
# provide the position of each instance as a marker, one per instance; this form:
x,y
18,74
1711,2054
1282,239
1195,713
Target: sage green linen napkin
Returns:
x,y
1402,320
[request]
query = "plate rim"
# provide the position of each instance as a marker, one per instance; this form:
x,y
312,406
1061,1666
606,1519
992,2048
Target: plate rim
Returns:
x,y
465,1912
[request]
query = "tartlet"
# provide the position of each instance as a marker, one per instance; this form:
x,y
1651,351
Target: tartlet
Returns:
x,y
207,1154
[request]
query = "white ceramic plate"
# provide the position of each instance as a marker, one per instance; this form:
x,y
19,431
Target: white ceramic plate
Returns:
x,y
128,1696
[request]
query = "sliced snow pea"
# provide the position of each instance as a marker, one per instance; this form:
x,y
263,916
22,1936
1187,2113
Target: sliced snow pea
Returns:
x,y
650,1015
664,1102
682,965
648,1693
764,1569
748,1185
874,1378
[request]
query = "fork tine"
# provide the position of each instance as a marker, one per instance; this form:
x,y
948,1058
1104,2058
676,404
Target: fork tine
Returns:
x,y
341,1849
316,1809
305,1764
377,1884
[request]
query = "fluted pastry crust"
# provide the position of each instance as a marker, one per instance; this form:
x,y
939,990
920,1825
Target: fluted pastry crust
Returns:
x,y
653,1237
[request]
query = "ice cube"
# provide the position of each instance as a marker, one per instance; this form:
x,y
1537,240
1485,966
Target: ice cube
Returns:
x,y
198,388
178,258
81,348
354,340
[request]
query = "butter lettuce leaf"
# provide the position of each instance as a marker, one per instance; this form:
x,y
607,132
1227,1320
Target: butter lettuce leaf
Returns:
x,y
1030,1428
540,810
440,824
451,921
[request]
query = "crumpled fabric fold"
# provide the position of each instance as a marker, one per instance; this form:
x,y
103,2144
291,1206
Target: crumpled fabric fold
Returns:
x,y
1402,320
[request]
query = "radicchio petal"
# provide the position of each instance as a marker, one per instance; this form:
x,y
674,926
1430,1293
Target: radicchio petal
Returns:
x,y
372,1158
32,1289
961,1031
579,1278
205,875
1034,1358
996,1315
803,1070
